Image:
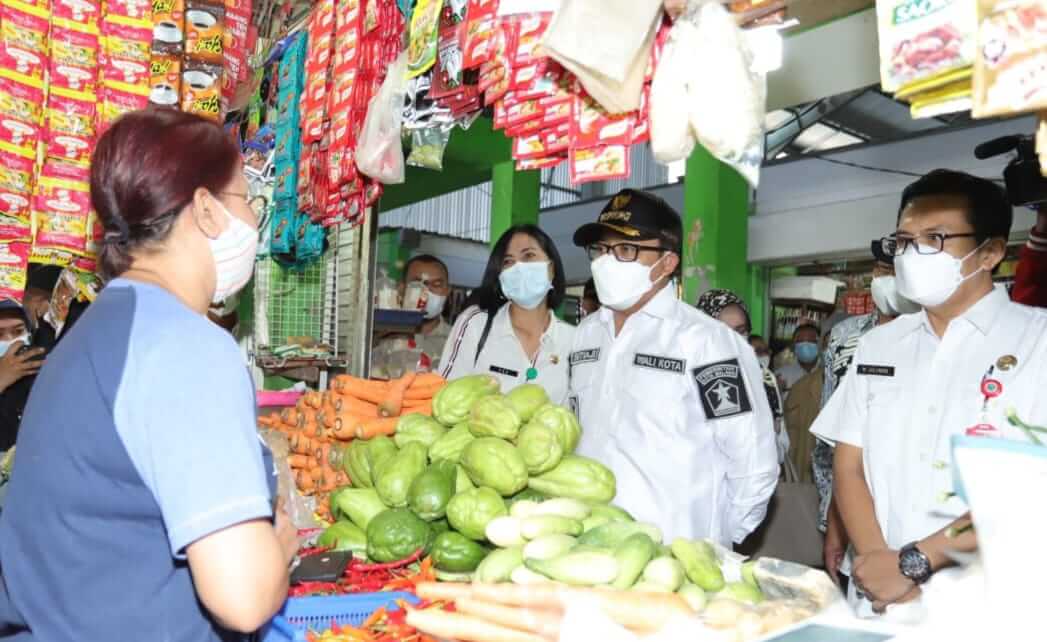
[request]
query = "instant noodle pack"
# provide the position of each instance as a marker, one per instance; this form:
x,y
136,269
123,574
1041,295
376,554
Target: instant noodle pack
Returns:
x,y
68,69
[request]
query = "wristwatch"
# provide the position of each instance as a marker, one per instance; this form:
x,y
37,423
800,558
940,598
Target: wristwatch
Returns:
x,y
914,565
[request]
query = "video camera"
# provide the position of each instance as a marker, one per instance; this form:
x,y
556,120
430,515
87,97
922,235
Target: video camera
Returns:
x,y
1025,184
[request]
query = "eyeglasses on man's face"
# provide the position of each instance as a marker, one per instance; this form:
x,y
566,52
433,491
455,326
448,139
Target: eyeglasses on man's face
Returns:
x,y
928,243
624,252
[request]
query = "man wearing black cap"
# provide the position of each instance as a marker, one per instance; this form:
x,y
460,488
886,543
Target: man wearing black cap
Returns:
x,y
670,399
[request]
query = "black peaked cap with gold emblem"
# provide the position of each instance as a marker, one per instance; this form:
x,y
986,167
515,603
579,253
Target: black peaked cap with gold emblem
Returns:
x,y
637,215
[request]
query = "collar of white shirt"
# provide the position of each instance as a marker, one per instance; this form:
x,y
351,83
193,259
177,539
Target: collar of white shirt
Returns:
x,y
503,324
982,315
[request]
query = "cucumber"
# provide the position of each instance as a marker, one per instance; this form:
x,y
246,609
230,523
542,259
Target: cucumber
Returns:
x,y
564,507
548,547
632,556
699,563
581,569
499,565
504,532
538,525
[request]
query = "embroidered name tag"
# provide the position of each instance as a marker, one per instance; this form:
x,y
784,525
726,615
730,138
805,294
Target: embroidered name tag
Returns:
x,y
591,355
655,362
721,389
875,371
505,371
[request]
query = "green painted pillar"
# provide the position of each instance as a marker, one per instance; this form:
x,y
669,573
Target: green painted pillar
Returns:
x,y
716,234
391,254
515,197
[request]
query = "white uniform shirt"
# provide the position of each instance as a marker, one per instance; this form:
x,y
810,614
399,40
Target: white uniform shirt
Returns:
x,y
908,392
504,357
675,407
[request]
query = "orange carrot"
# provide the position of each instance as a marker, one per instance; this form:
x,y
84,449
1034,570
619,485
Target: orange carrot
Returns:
x,y
346,426
301,444
423,408
341,478
428,379
359,407
313,399
394,401
323,454
375,427
295,460
289,416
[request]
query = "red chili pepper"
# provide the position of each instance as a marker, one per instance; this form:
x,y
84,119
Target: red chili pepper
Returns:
x,y
315,550
388,566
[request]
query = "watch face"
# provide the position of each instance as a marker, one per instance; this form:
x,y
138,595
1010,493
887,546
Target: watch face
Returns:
x,y
914,564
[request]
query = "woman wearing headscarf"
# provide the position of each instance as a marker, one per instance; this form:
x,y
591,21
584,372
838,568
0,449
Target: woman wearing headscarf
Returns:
x,y
728,308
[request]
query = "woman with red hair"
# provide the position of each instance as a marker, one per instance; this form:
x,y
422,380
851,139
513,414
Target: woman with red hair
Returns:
x,y
143,505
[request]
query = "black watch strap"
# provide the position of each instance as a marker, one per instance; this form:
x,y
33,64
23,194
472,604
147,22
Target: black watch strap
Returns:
x,y
914,564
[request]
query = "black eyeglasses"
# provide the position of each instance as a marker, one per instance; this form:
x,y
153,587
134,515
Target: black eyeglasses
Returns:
x,y
930,243
624,252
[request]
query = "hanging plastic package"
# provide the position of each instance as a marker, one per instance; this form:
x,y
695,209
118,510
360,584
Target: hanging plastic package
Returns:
x,y
707,50
379,152
427,147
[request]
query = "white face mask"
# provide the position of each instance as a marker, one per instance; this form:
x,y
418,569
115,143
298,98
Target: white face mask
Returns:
x,y
888,301
434,304
526,284
620,285
765,361
6,345
930,279
234,253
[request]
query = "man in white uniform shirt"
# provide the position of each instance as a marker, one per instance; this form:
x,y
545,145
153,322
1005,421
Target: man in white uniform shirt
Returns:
x,y
954,368
669,399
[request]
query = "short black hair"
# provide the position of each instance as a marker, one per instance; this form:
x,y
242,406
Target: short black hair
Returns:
x,y
808,326
423,258
489,297
989,212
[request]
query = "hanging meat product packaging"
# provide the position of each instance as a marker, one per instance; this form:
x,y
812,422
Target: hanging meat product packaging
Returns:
x,y
920,39
1010,71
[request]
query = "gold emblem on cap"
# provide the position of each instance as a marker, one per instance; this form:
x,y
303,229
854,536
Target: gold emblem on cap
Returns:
x,y
620,202
615,215
1006,362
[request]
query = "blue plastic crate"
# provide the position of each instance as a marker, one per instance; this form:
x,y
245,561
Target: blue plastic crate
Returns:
x,y
299,614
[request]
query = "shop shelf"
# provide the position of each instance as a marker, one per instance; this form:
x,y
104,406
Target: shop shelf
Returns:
x,y
299,614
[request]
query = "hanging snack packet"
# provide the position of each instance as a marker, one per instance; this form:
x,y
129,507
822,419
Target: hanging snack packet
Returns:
x,y
84,13
202,89
540,163
22,61
422,44
165,79
592,126
532,26
282,241
61,205
427,147
14,262
135,9
479,34
71,118
73,78
14,229
71,46
204,32
24,27
169,26
920,39
16,180
22,98
1010,71
19,134
605,163
127,39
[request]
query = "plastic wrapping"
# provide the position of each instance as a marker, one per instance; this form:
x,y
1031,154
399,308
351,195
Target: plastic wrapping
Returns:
x,y
379,152
427,147
299,508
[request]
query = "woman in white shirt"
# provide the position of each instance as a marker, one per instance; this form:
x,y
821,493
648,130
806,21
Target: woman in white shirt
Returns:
x,y
509,329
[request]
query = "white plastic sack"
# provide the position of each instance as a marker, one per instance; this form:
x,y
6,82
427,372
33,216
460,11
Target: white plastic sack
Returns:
x,y
727,100
379,152
704,90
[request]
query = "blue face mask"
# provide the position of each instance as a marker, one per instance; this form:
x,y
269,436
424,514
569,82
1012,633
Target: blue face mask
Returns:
x,y
526,284
806,352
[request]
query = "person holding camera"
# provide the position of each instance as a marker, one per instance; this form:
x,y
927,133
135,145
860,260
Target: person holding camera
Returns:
x,y
18,364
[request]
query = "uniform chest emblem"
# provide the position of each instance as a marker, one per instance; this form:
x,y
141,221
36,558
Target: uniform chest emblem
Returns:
x,y
721,389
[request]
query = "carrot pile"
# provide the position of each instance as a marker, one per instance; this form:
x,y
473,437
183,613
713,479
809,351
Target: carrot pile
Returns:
x,y
322,423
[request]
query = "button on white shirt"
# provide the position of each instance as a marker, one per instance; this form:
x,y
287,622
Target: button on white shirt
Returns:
x,y
503,356
645,415
908,392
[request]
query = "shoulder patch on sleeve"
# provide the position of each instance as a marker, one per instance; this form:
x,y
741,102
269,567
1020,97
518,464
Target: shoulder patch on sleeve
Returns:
x,y
721,389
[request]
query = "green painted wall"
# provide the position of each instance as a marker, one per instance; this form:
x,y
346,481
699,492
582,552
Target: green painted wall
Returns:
x,y
515,198
716,234
391,254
